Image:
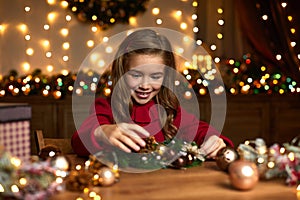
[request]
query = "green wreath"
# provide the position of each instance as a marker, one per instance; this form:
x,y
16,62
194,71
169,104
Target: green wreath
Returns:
x,y
106,13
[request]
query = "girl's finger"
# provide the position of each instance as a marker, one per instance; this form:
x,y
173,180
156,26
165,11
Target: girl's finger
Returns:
x,y
138,129
129,142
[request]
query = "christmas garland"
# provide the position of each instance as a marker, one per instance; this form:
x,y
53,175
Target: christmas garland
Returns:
x,y
104,13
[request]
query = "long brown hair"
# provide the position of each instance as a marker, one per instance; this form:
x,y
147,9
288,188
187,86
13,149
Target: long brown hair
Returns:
x,y
145,42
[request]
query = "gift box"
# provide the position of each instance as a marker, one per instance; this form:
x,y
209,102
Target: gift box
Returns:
x,y
15,129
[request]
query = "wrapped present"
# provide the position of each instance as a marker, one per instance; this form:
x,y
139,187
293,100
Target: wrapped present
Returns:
x,y
15,129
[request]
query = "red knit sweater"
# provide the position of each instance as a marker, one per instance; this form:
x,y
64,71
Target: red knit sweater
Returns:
x,y
189,127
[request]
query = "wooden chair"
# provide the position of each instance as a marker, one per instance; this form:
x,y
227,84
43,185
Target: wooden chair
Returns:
x,y
64,144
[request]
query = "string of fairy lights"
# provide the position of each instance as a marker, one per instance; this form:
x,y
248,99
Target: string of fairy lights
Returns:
x,y
45,82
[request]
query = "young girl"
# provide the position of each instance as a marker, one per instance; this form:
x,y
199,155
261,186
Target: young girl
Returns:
x,y
143,103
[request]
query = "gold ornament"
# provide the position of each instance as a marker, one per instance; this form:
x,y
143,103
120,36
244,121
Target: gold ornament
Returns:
x,y
107,176
243,174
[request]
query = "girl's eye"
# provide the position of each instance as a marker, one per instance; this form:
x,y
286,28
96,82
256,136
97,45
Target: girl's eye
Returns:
x,y
156,76
135,75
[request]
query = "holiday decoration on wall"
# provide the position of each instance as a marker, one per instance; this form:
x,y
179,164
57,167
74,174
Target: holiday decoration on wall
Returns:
x,y
105,13
236,76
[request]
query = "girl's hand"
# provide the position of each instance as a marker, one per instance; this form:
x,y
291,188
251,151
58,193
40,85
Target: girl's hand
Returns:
x,y
123,135
212,145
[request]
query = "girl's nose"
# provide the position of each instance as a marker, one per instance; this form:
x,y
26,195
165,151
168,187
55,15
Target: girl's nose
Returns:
x,y
144,84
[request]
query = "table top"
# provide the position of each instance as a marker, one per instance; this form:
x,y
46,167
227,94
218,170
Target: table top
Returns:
x,y
202,182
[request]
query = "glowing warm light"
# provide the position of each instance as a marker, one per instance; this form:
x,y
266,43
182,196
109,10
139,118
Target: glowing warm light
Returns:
x,y
23,181
68,18
293,44
74,8
46,27
1,188
48,54
178,13
51,2
159,21
217,59
188,95
57,94
2,28
27,8
132,21
199,42
14,188
49,68
16,161
94,29
221,22
64,32
45,43
183,25
194,16
27,37
220,10
155,11
29,51
64,4
109,49
232,90
278,57
293,30
94,17
105,39
112,20
64,72
195,4
65,58
90,43
290,18
23,28
283,4
51,16
291,156
107,91
213,47
195,29
202,91
26,66
219,35
101,63
265,17
66,45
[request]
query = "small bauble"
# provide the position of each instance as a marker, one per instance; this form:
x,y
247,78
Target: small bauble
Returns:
x,y
225,157
180,162
49,151
107,176
243,174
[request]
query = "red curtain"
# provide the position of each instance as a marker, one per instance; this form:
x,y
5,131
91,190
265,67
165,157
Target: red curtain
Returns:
x,y
268,38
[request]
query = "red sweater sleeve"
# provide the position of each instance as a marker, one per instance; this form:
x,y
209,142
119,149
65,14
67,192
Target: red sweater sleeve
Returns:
x,y
83,140
192,129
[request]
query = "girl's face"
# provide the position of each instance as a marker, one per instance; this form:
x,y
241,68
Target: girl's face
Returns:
x,y
145,77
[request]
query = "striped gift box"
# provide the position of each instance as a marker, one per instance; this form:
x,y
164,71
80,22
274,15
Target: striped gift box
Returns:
x,y
15,129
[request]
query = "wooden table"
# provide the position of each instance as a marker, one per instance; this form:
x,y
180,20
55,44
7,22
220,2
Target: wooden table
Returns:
x,y
203,182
